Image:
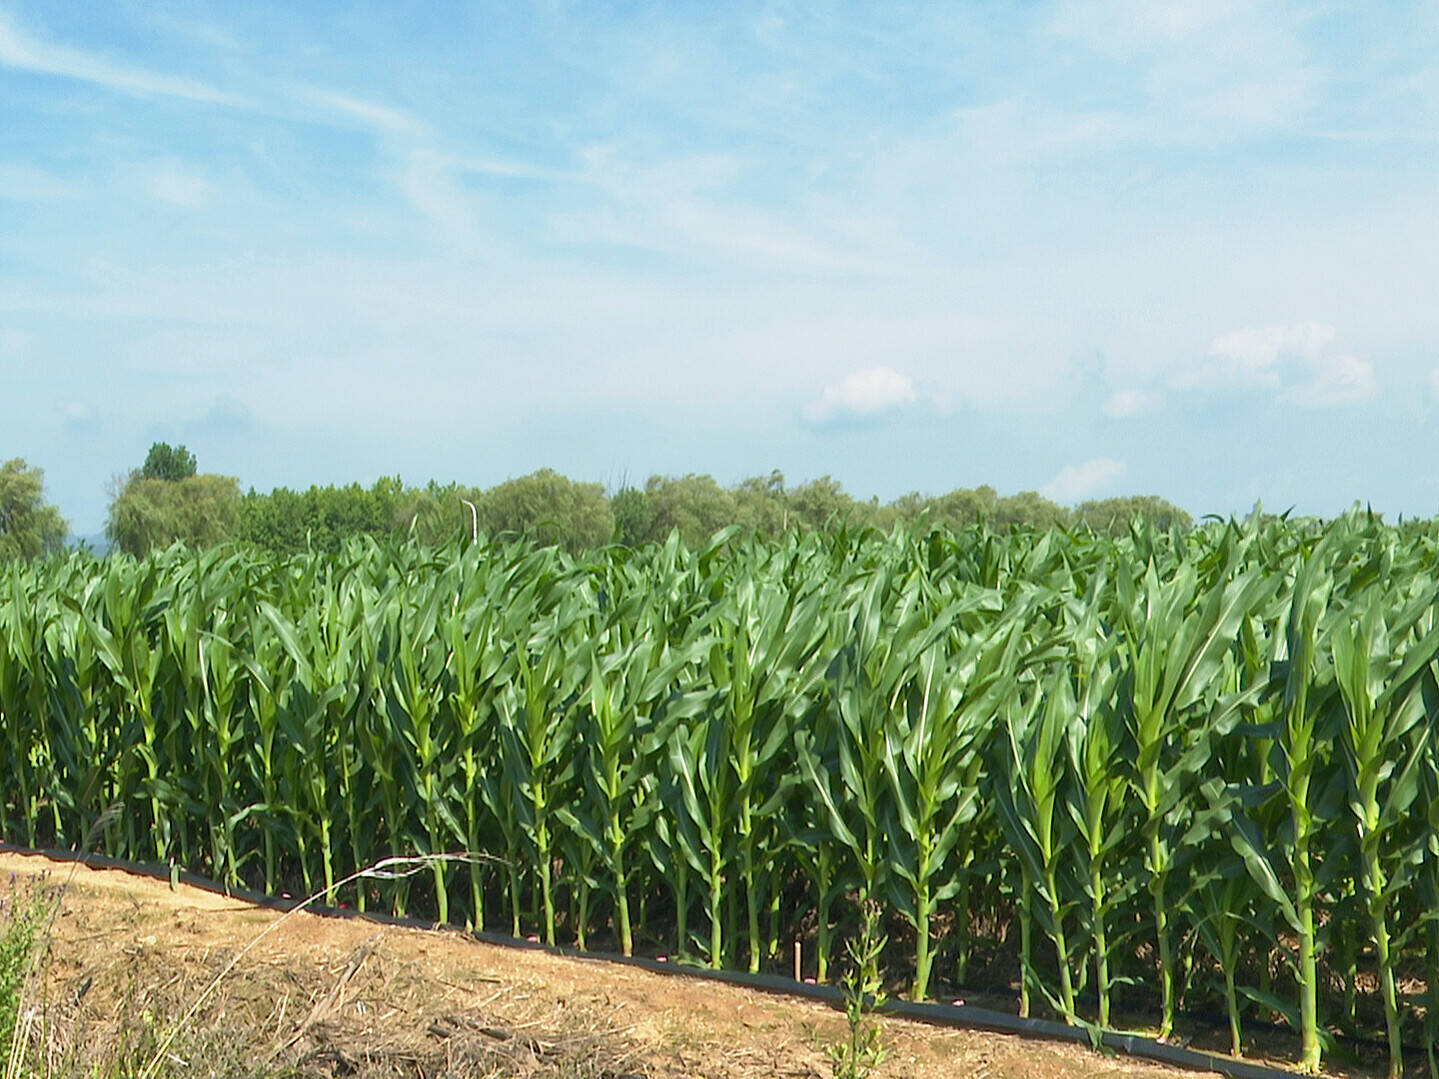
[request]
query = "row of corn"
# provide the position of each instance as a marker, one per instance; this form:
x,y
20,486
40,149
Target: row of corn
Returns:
x,y
1167,769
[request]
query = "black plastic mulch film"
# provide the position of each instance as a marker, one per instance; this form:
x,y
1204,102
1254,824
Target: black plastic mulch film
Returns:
x,y
947,1015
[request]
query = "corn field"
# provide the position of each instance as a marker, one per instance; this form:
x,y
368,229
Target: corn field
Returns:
x,y
1166,771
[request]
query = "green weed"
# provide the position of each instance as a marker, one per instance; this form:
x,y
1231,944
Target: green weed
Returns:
x,y
863,988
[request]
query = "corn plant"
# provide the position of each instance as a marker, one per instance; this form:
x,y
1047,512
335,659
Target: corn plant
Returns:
x,y
843,756
482,664
1225,899
1386,730
1095,793
622,732
536,720
763,667
934,742
698,756
1175,634
1029,782
1302,743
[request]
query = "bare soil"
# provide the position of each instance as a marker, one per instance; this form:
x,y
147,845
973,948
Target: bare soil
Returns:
x,y
325,996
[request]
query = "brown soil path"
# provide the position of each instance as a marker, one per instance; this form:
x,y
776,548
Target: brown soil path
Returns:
x,y
330,996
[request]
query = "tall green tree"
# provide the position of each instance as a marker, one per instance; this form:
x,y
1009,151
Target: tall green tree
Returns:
x,y
1029,508
322,518
1115,515
823,504
551,509
762,504
169,463
29,527
965,506
633,516
151,512
695,505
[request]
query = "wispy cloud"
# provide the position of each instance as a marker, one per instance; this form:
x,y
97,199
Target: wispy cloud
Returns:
x,y
24,183
178,186
1020,131
747,235
77,417
1125,404
17,50
1077,482
427,180
861,399
383,119
695,205
434,183
1337,380
1122,27
1204,71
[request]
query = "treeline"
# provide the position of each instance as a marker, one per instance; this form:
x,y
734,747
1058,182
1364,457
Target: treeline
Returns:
x,y
168,500
552,509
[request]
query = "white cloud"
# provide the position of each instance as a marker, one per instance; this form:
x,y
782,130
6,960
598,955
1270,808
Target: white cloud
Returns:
x,y
1293,358
864,397
1243,359
19,51
77,416
1128,403
1077,482
1434,382
1340,380
1261,348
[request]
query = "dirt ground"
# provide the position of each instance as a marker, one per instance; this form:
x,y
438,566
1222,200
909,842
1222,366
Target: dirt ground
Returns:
x,y
321,996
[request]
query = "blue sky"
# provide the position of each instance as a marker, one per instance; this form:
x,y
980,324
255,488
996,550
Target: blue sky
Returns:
x,y
1087,248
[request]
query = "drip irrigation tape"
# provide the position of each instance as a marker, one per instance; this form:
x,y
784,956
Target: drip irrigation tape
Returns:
x,y
946,1015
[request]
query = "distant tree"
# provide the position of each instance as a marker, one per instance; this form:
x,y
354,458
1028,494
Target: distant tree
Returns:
x,y
168,463
550,509
320,518
436,512
822,504
633,516
696,505
960,508
1029,509
1114,515
965,507
150,514
29,527
906,510
762,504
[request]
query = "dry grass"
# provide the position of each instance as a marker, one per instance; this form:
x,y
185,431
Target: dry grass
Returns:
x,y
371,1014
324,997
